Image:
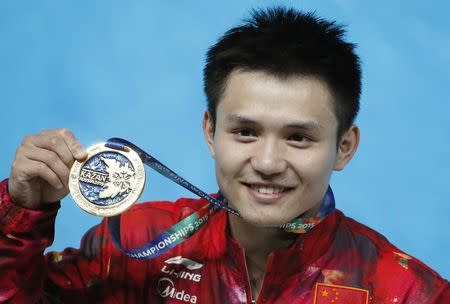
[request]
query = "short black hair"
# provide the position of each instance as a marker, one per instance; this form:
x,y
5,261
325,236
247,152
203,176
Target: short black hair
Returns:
x,y
286,42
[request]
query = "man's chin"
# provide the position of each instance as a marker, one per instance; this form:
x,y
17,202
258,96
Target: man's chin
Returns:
x,y
264,221
261,216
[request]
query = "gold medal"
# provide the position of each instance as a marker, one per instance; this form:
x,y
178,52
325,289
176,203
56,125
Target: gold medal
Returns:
x,y
108,182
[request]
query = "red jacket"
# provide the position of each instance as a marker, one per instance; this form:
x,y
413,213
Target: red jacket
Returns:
x,y
339,261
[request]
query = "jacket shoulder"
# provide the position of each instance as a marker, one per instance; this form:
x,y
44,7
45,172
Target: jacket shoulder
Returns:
x,y
391,272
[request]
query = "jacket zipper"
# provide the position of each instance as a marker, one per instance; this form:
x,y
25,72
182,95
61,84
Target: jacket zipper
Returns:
x,y
249,287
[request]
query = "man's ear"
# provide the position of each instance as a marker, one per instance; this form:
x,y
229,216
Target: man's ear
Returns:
x,y
208,132
347,147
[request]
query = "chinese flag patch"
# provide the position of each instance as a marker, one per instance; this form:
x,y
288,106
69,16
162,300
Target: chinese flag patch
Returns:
x,y
336,294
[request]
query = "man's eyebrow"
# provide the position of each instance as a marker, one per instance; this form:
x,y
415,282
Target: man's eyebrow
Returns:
x,y
304,125
307,125
239,119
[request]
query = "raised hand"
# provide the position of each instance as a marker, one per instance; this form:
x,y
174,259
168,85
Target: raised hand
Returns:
x,y
40,171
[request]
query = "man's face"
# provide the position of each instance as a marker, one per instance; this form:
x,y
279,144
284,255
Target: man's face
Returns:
x,y
274,145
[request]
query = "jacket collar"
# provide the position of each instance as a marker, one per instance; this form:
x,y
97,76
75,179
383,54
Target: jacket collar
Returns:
x,y
306,249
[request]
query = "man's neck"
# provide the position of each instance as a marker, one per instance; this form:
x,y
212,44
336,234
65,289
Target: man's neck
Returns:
x,y
258,243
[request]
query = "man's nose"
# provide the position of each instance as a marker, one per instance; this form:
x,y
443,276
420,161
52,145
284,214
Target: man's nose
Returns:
x,y
268,158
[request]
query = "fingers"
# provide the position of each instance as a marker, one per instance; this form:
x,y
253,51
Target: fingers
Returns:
x,y
41,169
50,153
50,159
27,169
60,141
73,144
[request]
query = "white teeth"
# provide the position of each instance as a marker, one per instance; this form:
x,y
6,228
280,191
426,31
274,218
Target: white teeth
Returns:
x,y
267,190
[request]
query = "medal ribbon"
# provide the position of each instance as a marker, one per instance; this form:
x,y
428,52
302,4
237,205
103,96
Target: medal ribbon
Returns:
x,y
185,228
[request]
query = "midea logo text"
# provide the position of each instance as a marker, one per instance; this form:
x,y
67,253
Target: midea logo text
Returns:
x,y
166,288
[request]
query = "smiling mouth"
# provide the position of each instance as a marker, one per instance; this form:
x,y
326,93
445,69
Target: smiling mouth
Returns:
x,y
268,189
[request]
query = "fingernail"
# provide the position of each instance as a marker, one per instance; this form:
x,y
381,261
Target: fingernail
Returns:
x,y
80,153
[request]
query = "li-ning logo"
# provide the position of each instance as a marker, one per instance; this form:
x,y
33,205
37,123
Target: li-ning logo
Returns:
x,y
183,274
166,289
189,264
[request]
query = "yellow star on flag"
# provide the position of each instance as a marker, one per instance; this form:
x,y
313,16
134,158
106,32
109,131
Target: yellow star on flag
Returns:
x,y
338,294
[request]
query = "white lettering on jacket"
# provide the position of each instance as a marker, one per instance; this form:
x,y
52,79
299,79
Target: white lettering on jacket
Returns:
x,y
166,289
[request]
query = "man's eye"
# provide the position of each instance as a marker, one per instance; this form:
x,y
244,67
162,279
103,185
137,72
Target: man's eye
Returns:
x,y
298,138
245,132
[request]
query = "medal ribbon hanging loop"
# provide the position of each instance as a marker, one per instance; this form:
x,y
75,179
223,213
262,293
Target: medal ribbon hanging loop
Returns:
x,y
185,228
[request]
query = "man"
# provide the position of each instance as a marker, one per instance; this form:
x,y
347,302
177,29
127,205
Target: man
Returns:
x,y
283,92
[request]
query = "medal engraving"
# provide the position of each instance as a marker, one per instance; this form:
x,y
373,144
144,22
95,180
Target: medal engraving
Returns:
x,y
108,182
